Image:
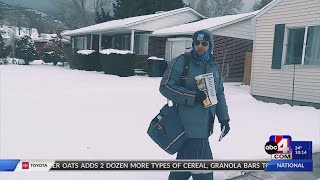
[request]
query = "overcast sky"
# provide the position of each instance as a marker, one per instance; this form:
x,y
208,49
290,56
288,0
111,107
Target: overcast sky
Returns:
x,y
45,5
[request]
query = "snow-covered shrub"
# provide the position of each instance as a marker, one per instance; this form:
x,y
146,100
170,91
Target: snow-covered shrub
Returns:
x,y
88,60
53,51
3,61
17,61
117,62
26,49
115,51
156,66
85,52
52,57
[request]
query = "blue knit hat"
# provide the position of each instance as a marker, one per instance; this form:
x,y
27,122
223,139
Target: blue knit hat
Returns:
x,y
203,35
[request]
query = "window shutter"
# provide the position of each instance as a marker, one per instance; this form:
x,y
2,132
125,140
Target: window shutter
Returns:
x,y
278,46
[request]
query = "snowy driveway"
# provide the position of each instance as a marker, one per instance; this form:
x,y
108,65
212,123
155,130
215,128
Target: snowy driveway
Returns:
x,y
51,112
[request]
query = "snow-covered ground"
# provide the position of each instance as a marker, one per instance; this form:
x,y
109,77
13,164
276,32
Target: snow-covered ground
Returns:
x,y
50,112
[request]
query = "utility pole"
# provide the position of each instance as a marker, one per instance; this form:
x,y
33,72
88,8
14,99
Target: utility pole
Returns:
x,y
13,39
293,79
19,23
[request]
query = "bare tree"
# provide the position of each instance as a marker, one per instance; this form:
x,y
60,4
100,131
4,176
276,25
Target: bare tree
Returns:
x,y
258,5
201,6
214,8
79,8
98,4
35,21
80,13
74,12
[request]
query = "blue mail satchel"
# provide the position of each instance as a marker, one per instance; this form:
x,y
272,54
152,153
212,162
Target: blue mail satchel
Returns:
x,y
167,130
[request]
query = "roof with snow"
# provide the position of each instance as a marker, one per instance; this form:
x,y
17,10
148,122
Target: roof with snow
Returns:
x,y
8,31
43,37
210,24
129,23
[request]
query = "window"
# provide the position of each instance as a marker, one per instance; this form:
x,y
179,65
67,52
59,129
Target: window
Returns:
x,y
312,56
125,42
303,46
113,42
81,43
294,46
141,44
116,42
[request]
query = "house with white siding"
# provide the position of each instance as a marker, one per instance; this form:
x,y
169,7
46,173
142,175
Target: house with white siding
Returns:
x,y
286,53
132,33
233,39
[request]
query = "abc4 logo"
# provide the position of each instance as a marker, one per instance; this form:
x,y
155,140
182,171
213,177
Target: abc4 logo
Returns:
x,y
279,147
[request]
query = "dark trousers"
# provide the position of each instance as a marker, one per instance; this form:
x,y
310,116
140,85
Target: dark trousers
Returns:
x,y
195,148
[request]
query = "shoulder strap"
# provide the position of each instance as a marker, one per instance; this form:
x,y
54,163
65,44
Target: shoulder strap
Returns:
x,y
185,71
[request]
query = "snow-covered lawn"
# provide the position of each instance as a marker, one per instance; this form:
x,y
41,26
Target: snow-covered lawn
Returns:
x,y
50,112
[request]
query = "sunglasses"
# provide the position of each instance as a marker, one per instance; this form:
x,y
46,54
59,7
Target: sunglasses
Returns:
x,y
204,43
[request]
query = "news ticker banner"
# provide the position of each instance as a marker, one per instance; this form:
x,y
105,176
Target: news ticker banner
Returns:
x,y
12,165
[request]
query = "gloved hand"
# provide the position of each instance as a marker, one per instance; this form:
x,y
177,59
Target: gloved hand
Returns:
x,y
200,96
225,124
